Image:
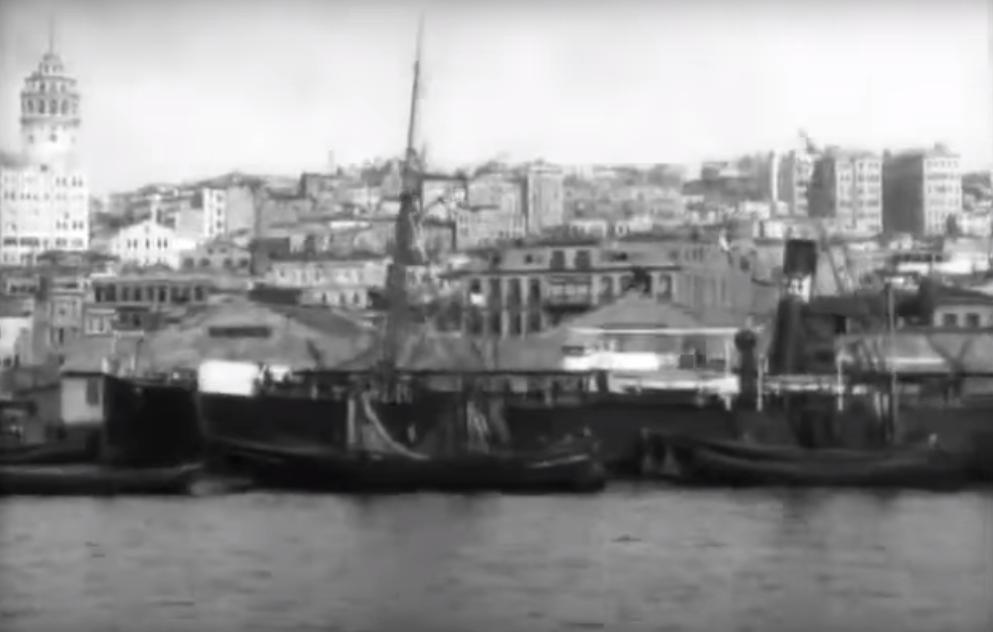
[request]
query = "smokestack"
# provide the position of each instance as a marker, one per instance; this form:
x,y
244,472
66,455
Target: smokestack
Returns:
x,y
799,267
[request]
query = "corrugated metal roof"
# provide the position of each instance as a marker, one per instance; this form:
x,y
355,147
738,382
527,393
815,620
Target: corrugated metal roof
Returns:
x,y
919,351
299,337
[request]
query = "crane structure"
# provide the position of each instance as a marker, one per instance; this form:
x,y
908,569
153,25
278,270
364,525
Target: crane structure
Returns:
x,y
809,144
408,249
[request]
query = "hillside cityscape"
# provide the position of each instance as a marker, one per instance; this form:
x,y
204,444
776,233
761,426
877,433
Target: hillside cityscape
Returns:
x,y
521,247
752,392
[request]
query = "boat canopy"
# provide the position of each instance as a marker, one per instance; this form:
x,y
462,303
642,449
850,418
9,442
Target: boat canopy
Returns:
x,y
920,352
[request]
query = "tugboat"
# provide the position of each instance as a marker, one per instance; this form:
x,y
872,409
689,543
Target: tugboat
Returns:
x,y
863,425
145,446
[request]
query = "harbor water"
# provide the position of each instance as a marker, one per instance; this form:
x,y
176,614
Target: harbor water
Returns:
x,y
633,558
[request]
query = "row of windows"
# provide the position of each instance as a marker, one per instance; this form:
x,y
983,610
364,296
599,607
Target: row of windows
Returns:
x,y
343,299
48,86
30,177
228,263
493,323
148,293
62,225
161,243
35,242
970,320
63,107
53,137
99,324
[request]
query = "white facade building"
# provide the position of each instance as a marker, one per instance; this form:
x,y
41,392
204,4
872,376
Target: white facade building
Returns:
x,y
215,221
149,243
44,198
41,210
545,198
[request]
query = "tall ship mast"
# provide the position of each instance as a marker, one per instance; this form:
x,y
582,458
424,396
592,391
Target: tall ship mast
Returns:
x,y
407,250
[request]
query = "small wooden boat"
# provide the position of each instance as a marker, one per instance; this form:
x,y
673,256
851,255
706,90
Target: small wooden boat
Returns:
x,y
917,468
91,479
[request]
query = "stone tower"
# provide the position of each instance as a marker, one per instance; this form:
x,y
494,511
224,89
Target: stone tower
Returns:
x,y
50,112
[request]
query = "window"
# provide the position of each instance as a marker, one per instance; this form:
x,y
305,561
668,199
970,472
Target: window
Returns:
x,y
582,260
516,323
558,260
534,322
496,324
972,320
949,320
534,290
93,391
514,292
474,323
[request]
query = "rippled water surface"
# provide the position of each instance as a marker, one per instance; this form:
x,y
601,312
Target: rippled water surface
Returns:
x,y
630,559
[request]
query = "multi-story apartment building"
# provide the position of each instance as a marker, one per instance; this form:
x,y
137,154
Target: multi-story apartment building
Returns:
x,y
846,188
141,302
329,280
499,191
793,175
922,190
44,201
486,226
526,289
545,198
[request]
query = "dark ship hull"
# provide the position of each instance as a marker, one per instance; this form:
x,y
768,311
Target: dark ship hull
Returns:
x,y
332,469
150,423
742,464
619,423
74,449
149,443
295,420
91,479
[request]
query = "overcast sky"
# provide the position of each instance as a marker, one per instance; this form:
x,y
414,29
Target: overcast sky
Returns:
x,y
174,89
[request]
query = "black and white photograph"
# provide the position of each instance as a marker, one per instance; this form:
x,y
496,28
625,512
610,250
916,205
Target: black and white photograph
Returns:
x,y
496,315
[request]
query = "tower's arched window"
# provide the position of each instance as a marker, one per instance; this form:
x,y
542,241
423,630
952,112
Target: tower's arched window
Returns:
x,y
65,107
53,106
41,107
41,87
